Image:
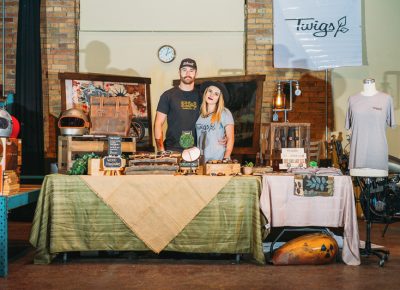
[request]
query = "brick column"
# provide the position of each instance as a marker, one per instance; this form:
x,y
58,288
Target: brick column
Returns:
x,y
310,106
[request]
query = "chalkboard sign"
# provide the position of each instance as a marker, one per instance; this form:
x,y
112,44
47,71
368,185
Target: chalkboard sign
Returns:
x,y
112,163
114,146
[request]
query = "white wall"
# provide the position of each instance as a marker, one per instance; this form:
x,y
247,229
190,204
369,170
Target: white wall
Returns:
x,y
123,37
162,15
382,42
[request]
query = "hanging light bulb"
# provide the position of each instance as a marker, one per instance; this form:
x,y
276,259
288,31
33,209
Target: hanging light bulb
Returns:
x,y
279,101
297,92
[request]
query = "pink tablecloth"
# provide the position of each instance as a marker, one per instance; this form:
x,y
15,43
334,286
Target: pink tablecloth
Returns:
x,y
282,208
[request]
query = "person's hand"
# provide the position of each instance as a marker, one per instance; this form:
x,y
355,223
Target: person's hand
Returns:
x,y
160,145
223,141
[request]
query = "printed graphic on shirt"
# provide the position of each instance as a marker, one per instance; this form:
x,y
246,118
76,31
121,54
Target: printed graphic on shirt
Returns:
x,y
188,105
207,127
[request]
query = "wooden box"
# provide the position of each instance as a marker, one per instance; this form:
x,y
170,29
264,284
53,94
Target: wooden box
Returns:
x,y
95,167
71,146
11,183
10,153
222,168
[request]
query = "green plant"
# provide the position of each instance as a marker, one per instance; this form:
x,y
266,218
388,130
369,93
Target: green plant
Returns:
x,y
80,165
248,164
186,140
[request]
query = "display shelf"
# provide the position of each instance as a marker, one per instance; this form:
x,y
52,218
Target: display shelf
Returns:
x,y
70,146
285,135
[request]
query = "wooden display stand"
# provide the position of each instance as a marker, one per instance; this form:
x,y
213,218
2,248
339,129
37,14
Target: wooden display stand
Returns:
x,y
285,135
222,169
70,146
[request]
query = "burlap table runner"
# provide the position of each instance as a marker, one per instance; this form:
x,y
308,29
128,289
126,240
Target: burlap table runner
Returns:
x,y
156,208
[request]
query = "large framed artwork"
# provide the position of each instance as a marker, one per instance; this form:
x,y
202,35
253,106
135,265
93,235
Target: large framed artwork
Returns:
x,y
78,88
246,93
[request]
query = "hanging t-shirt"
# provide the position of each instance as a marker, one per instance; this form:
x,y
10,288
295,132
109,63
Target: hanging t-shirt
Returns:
x,y
368,117
212,133
182,109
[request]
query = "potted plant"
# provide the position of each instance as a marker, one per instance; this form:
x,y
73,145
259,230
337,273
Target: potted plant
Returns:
x,y
248,168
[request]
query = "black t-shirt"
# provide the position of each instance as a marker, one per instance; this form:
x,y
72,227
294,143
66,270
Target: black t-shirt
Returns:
x,y
182,109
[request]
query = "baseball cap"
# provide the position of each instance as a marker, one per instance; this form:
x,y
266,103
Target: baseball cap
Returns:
x,y
188,62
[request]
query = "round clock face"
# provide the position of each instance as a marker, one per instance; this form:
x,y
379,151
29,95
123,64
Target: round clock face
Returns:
x,y
166,53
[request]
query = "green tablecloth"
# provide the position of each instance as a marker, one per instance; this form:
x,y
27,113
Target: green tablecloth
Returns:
x,y
70,217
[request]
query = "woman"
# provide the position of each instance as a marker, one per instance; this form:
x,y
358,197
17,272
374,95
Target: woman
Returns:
x,y
215,123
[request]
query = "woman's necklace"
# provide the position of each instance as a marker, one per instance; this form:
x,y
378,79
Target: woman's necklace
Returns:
x,y
209,114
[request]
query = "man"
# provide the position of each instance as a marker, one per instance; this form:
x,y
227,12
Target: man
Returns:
x,y
180,106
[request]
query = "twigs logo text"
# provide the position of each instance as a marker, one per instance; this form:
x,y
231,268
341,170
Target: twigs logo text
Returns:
x,y
320,29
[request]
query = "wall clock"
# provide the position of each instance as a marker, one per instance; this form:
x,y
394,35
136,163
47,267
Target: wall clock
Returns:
x,y
166,53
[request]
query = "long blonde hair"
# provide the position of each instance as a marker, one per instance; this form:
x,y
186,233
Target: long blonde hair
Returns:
x,y
216,117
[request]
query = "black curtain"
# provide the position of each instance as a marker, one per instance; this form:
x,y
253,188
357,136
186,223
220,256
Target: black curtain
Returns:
x,y
28,92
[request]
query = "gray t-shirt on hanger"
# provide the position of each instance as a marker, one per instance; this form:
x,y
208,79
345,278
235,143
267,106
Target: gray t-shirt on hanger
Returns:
x,y
368,117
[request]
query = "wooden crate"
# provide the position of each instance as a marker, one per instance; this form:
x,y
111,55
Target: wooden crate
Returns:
x,y
223,168
11,183
95,167
285,135
71,146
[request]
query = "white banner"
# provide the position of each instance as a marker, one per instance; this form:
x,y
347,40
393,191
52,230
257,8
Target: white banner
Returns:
x,y
317,34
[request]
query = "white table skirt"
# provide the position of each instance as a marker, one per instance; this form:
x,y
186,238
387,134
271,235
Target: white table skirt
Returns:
x,y
282,208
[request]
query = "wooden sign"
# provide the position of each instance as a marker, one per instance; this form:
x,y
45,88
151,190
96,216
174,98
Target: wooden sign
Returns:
x,y
222,169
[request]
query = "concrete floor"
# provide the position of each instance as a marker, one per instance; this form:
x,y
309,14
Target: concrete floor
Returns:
x,y
210,273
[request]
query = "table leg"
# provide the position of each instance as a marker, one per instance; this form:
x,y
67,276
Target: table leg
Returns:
x,y
237,258
3,237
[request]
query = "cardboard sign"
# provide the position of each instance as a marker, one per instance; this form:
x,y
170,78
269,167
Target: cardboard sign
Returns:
x,y
293,158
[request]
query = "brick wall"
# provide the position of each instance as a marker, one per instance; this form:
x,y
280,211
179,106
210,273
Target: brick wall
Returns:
x,y
310,106
59,54
11,26
60,21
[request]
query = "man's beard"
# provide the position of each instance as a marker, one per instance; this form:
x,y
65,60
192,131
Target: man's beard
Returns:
x,y
187,80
